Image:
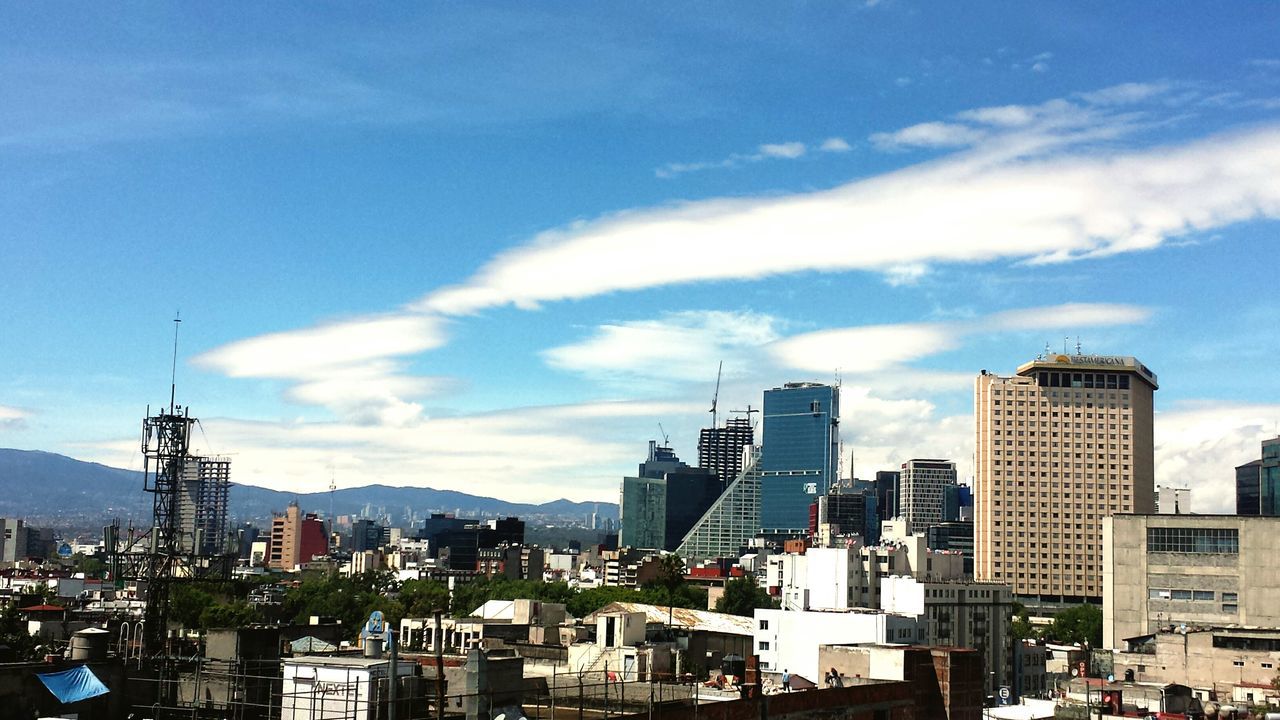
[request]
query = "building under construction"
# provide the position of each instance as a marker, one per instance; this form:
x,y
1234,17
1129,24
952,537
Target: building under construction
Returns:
x,y
720,449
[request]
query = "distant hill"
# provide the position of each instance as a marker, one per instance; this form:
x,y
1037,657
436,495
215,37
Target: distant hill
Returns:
x,y
59,491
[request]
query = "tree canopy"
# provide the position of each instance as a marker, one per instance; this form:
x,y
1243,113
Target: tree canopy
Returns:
x,y
1082,623
742,595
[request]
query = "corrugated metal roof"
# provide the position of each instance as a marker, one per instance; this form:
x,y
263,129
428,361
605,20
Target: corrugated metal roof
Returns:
x,y
683,618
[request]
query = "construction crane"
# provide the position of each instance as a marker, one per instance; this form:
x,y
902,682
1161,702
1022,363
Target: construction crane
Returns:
x,y
666,440
716,397
748,412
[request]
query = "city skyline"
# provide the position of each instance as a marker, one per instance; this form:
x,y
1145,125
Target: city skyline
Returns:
x,y
490,249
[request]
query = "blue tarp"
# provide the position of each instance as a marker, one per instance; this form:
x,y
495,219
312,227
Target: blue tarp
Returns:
x,y
73,685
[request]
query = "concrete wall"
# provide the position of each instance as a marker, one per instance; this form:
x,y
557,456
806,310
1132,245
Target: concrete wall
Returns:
x,y
789,640
1130,572
867,701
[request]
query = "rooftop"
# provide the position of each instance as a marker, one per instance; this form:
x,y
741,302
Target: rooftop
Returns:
x,y
683,618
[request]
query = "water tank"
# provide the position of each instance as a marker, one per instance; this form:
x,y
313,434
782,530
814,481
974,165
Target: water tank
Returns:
x,y
89,644
373,646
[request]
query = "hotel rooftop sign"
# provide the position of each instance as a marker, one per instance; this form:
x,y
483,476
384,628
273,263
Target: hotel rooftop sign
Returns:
x,y
1093,362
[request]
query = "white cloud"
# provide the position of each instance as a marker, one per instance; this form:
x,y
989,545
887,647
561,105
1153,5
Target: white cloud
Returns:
x,y
883,349
1199,445
553,452
1125,93
12,418
296,353
1011,199
1070,315
835,145
863,349
787,150
927,135
769,151
1005,115
907,274
347,367
881,434
678,346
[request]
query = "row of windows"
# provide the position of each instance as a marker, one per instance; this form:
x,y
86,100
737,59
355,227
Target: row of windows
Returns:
x,y
1193,540
1108,381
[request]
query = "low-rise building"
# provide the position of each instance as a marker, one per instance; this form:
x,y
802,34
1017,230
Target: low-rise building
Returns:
x,y
946,682
788,640
1162,571
961,614
1208,659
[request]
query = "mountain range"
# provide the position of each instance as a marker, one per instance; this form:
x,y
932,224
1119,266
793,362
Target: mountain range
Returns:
x,y
59,491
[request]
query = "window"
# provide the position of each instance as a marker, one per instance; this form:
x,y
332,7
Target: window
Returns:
x,y
1230,608
1193,540
764,644
1229,597
1203,595
764,624
1238,663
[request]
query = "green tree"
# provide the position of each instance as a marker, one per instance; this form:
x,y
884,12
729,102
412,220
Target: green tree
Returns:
x,y
228,615
186,603
742,595
349,599
91,566
1082,623
1022,628
420,598
13,632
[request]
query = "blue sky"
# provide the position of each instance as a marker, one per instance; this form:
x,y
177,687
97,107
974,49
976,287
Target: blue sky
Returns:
x,y
492,248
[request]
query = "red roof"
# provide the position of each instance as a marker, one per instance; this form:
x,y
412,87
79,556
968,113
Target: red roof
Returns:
x,y
42,608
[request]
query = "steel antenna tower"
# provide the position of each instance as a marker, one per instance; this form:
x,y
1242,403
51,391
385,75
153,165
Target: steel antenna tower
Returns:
x,y
165,444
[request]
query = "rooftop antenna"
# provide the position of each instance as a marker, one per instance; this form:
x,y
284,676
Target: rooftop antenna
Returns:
x,y
1065,340
333,485
1077,344
1047,351
716,397
173,370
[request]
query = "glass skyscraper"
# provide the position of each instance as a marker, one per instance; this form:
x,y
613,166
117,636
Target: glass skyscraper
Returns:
x,y
1258,483
799,454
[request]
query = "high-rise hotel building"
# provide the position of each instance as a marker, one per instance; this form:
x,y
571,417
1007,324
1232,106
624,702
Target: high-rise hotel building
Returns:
x,y
1062,444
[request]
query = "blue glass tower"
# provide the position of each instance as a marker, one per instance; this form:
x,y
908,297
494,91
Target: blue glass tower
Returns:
x,y
799,453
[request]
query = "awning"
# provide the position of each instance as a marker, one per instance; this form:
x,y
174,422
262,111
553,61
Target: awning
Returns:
x,y
74,685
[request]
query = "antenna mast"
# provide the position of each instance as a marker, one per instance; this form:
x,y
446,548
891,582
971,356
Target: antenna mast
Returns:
x,y
173,370
716,397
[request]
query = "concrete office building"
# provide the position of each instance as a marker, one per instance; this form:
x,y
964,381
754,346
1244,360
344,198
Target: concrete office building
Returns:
x,y
1173,500
1258,482
960,614
1060,445
203,494
799,454
1198,570
296,538
922,492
